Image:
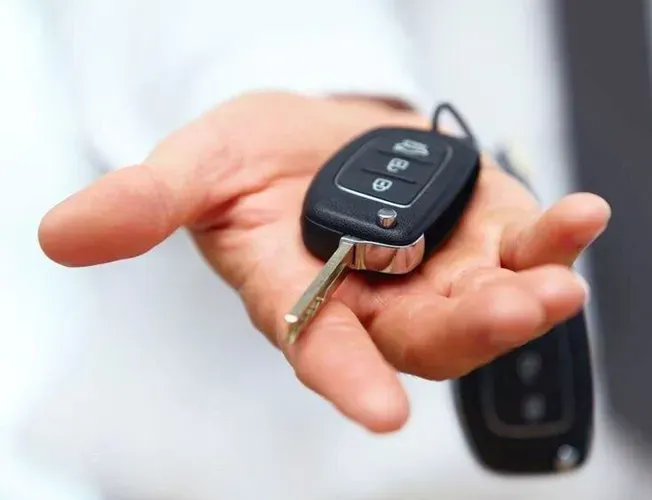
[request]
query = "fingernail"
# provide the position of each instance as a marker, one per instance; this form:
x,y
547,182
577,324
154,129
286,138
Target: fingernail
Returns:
x,y
587,247
585,285
600,233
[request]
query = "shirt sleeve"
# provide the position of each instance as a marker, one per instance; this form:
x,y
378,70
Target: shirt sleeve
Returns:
x,y
140,76
346,48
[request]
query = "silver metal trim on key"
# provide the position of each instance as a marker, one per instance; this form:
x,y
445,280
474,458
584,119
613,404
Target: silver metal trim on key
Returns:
x,y
356,254
386,217
386,259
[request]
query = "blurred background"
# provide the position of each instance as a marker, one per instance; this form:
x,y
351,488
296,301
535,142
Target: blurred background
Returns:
x,y
109,409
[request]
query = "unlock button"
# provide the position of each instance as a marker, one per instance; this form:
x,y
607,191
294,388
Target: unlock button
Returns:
x,y
377,185
396,167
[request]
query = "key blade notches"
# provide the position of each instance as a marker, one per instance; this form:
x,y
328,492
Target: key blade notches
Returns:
x,y
326,282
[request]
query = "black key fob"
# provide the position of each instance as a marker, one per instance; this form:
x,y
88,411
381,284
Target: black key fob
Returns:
x,y
382,204
531,410
394,188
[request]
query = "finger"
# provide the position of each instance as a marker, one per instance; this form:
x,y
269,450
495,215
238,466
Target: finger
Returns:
x,y
475,241
557,236
558,307
472,249
337,359
442,338
543,283
334,356
126,213
130,210
123,215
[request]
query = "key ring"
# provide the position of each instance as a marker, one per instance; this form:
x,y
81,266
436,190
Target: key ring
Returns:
x,y
446,106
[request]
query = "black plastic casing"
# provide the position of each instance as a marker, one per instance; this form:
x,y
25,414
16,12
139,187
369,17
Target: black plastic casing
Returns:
x,y
330,212
532,455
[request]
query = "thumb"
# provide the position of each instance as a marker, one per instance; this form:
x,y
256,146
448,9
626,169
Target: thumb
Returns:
x,y
122,215
131,210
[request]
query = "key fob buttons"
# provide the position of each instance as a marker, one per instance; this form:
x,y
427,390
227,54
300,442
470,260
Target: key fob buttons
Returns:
x,y
529,392
393,171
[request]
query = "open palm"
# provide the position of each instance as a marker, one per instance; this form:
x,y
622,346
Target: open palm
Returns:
x,y
236,178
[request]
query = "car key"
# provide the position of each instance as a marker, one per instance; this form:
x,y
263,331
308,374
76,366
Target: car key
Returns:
x,y
382,204
531,410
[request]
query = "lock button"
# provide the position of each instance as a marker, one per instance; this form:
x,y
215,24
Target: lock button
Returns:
x,y
379,185
396,178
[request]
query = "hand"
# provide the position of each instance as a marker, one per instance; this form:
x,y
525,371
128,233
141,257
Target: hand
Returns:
x,y
236,179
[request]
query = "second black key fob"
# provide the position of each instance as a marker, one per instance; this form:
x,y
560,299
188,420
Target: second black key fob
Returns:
x,y
531,410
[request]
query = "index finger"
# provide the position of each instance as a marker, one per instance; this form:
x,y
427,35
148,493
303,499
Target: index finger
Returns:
x,y
334,356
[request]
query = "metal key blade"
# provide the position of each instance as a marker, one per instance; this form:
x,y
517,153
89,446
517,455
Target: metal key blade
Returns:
x,y
326,282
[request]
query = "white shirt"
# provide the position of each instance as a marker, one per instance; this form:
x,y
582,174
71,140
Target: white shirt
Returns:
x,y
144,379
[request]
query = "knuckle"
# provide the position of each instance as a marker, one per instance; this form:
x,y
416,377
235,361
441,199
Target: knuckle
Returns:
x,y
217,159
162,197
303,374
439,374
